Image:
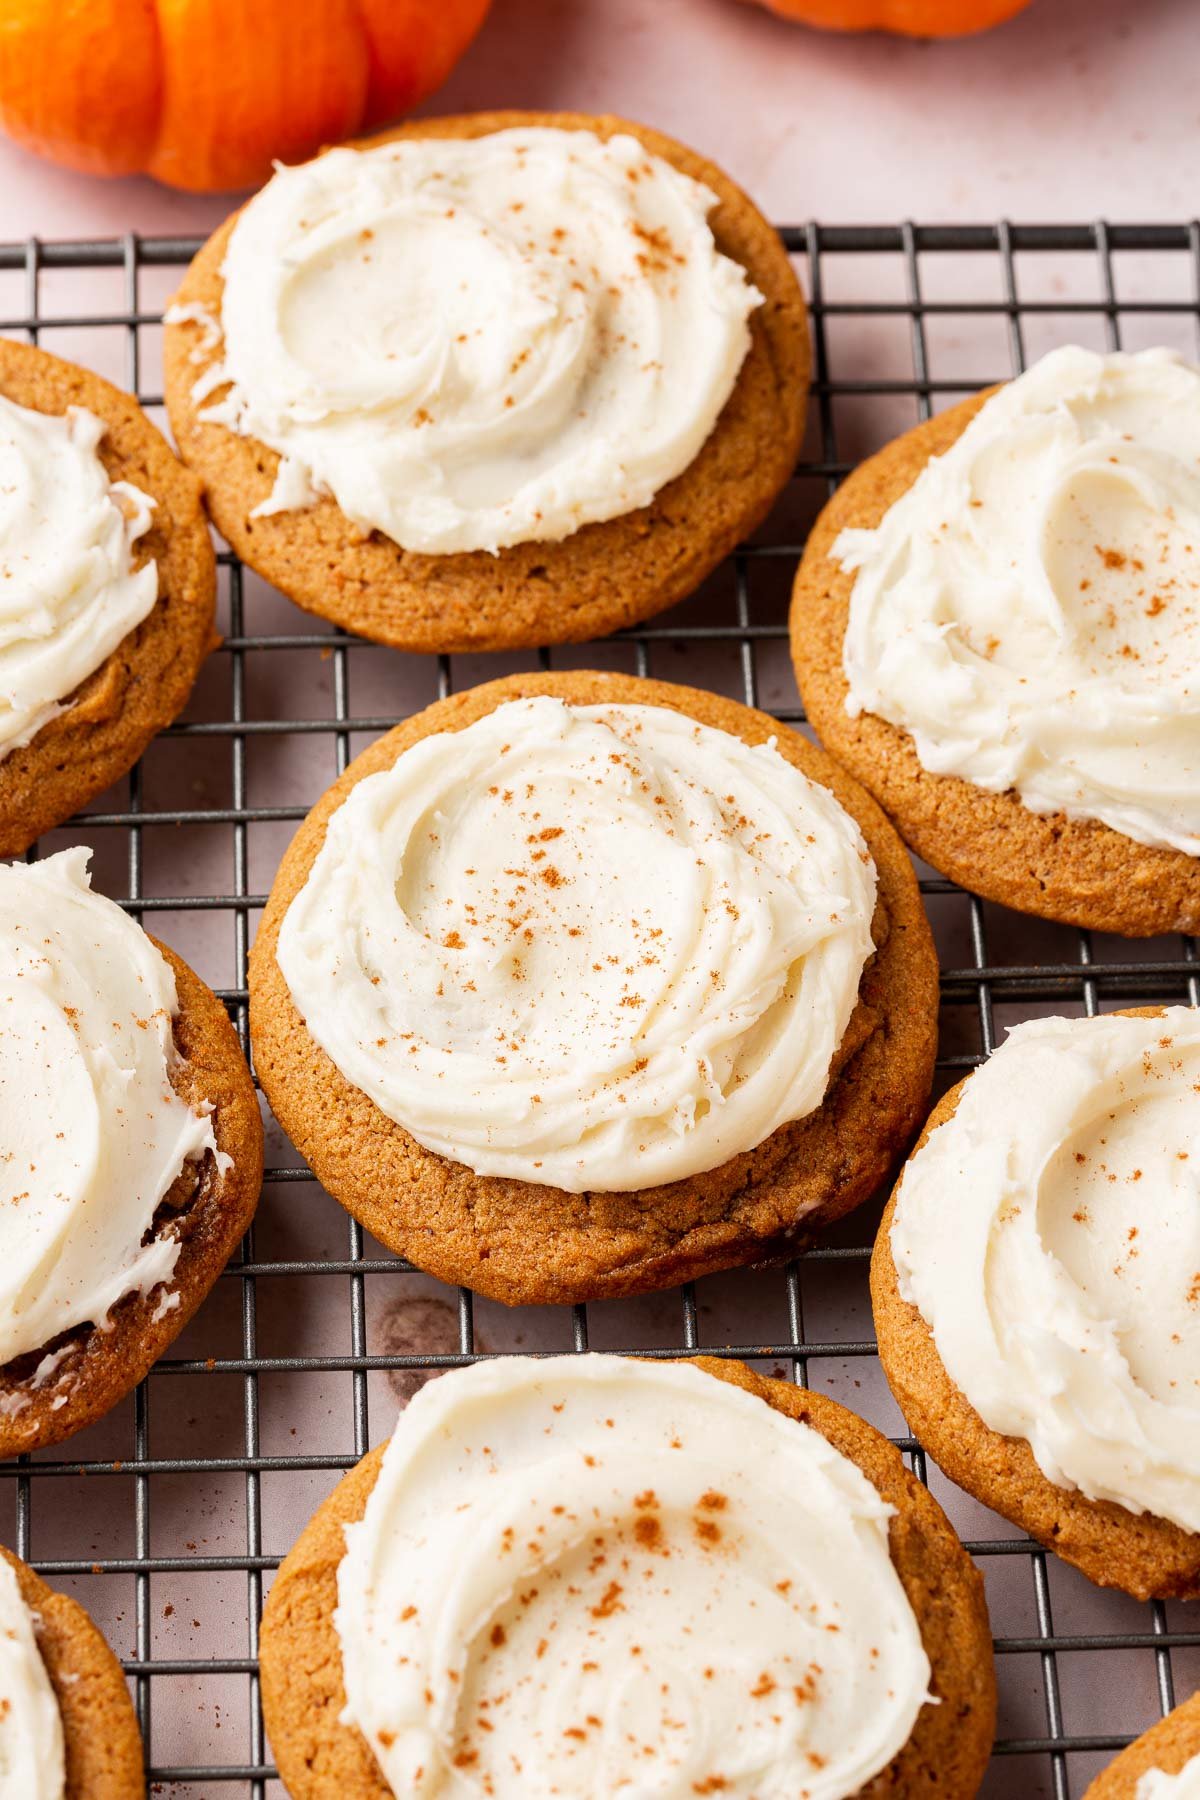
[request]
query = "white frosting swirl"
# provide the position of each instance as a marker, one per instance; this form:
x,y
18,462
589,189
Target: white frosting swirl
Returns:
x,y
32,1752
1156,1784
1065,1301
590,1575
1029,611
477,343
93,1134
588,946
68,589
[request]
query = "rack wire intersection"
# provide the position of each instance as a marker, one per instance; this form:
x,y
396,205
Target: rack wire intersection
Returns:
x,y
905,318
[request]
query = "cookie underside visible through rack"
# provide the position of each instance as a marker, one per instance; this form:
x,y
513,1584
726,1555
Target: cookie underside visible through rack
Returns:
x,y
167,1519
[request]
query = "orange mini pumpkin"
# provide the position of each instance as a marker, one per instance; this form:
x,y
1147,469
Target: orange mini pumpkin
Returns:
x,y
911,18
204,94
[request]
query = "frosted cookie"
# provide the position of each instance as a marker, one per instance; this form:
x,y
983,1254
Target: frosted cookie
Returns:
x,y
499,380
579,985
132,1150
1162,1764
67,1727
1036,1286
996,627
107,588
579,1574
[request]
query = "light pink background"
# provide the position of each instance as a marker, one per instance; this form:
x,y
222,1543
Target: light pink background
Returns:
x,y
1076,108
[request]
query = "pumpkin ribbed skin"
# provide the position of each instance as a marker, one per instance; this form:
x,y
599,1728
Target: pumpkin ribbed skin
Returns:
x,y
909,18
204,94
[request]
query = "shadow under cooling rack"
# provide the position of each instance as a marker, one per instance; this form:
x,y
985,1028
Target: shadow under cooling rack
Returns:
x,y
904,317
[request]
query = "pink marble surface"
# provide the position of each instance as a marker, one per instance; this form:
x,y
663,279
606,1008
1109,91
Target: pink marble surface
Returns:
x,y
1076,108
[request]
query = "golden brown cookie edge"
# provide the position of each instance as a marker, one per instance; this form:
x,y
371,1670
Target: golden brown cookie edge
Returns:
x,y
482,1230
1074,871
592,583
100,1731
1168,1745
145,682
1144,1556
107,1365
949,1745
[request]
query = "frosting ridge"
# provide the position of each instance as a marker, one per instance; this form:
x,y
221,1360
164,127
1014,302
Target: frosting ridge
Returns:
x,y
1029,610
32,1752
1184,1784
590,1574
94,1134
585,946
1065,1302
476,343
68,590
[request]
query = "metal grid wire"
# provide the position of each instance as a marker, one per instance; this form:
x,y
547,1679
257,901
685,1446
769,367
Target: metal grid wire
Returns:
x,y
982,990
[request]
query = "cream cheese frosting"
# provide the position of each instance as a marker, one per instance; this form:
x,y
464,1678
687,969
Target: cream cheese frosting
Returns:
x,y
1049,1235
477,343
1029,610
1156,1784
592,1575
32,1752
68,589
93,1133
587,946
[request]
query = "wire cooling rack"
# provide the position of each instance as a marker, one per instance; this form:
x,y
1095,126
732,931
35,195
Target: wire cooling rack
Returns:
x,y
168,1518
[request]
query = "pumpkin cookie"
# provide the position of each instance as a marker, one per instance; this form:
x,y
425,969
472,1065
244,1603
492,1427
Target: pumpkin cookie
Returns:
x,y
1033,1289
105,1017
68,1719
571,459
995,628
1166,1750
858,1620
650,1002
99,518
